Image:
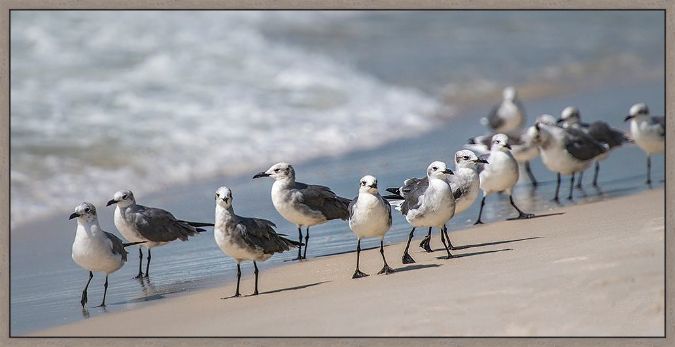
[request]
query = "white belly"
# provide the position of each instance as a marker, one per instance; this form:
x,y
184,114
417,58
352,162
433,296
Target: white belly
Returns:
x,y
647,139
95,255
501,174
370,218
558,160
465,201
281,201
233,250
437,208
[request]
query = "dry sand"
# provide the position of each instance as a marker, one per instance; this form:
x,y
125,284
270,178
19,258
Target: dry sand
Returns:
x,y
596,270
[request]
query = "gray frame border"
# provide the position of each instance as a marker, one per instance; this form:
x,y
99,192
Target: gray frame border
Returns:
x,y
7,5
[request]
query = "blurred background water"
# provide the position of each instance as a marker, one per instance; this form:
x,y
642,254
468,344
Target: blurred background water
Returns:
x,y
174,104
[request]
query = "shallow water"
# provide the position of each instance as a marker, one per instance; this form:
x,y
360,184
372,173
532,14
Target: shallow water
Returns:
x,y
46,284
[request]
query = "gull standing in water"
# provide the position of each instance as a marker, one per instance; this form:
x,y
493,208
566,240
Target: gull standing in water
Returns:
x,y
508,116
303,204
465,185
369,216
523,149
155,226
565,151
500,174
245,238
598,130
427,203
648,132
95,249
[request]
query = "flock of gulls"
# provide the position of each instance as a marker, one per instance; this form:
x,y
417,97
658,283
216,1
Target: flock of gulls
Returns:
x,y
490,163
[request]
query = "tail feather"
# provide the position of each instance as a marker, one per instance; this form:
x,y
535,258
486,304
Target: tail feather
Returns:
x,y
396,191
132,243
197,224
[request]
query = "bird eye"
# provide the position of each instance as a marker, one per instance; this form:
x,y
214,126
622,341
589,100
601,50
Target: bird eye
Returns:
x,y
466,157
276,170
124,197
86,210
434,168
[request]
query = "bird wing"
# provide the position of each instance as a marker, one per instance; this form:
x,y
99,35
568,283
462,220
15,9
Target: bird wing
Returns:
x,y
322,199
117,245
352,204
602,132
661,122
158,225
259,233
493,119
413,189
387,206
581,145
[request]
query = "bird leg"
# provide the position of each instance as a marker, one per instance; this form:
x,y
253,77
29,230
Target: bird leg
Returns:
x,y
140,262
595,175
521,214
530,174
238,280
480,212
105,291
299,246
385,268
557,190
447,238
357,272
83,300
425,244
407,259
147,265
649,170
581,176
444,244
569,197
255,271
304,255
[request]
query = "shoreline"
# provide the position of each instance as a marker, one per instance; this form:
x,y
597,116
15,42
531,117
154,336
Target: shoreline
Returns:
x,y
594,270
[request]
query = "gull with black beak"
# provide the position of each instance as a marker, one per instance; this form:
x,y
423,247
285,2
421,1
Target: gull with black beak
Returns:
x,y
153,226
465,185
95,249
369,216
500,174
426,203
598,130
245,239
648,132
565,151
303,204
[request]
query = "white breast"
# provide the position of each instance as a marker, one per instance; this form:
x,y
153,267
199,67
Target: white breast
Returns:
x,y
647,137
370,217
282,201
466,177
501,174
437,208
93,251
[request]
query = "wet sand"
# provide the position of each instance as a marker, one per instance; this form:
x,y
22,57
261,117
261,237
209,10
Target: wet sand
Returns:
x,y
588,270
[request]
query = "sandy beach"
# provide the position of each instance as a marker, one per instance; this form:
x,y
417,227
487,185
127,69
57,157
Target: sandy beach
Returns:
x,y
588,270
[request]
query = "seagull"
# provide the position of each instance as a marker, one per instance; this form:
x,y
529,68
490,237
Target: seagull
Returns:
x,y
500,174
95,249
244,238
426,203
598,130
465,185
649,133
508,116
303,204
565,151
369,216
522,148
155,226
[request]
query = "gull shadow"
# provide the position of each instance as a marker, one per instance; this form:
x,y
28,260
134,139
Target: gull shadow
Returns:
x,y
541,215
415,267
493,243
474,253
345,252
293,288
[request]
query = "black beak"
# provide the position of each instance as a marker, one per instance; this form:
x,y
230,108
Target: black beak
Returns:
x,y
74,215
560,120
507,146
373,186
448,171
628,117
111,202
481,161
261,174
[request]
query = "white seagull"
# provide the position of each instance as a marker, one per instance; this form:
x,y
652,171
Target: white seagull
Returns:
x,y
303,204
648,132
369,216
245,238
508,116
426,203
153,226
95,249
500,174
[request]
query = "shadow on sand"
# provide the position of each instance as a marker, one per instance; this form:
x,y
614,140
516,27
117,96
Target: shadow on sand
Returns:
x,y
475,253
490,243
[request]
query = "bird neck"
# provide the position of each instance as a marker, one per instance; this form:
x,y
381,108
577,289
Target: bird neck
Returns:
x,y
88,227
285,182
224,215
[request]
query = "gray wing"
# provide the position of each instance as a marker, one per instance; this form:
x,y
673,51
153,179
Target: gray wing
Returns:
x,y
260,234
386,206
481,166
159,225
322,199
117,245
494,121
582,146
661,121
521,108
351,206
602,132
411,191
